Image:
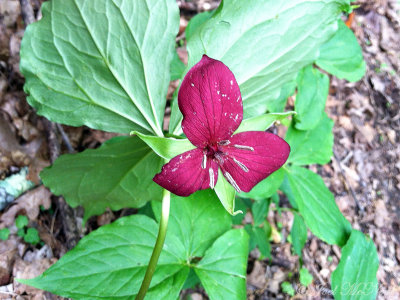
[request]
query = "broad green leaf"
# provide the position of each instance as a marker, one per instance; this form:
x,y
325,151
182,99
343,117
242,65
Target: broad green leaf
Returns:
x,y
267,187
287,190
261,237
196,22
318,207
305,277
222,271
263,122
117,175
312,92
196,221
177,67
252,237
298,234
264,43
260,210
166,147
278,105
312,146
191,281
110,263
226,194
342,55
355,276
103,63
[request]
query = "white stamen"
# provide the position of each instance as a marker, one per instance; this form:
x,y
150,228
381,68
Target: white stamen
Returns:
x,y
224,143
204,162
192,84
242,147
232,182
241,165
212,179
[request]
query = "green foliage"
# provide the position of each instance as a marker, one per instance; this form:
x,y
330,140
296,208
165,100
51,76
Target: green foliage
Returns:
x,y
107,64
265,49
317,206
116,175
312,92
93,63
305,277
285,187
287,288
191,281
262,235
32,236
242,205
222,271
263,122
191,220
342,55
311,146
166,147
355,276
196,22
112,260
226,194
267,187
21,232
287,90
21,221
298,234
4,234
177,67
260,210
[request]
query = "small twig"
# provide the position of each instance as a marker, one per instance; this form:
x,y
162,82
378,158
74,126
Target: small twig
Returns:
x,y
65,138
306,257
67,213
348,185
27,12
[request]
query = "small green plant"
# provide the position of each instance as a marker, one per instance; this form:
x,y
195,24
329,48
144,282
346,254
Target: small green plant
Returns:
x,y
30,235
287,288
4,234
305,277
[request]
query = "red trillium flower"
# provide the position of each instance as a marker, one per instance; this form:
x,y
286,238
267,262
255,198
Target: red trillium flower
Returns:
x,y
210,101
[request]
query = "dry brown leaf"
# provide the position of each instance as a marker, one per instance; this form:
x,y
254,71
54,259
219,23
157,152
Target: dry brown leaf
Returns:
x,y
8,251
368,132
29,203
28,270
10,11
257,276
346,123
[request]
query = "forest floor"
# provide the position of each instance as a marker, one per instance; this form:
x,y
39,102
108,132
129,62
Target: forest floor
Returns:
x,y
364,173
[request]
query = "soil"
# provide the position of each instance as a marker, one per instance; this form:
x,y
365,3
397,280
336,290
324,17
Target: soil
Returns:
x,y
364,173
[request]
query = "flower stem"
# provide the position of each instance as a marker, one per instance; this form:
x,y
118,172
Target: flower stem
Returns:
x,y
162,230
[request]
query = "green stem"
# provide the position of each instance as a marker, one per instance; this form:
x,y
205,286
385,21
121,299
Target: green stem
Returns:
x,y
162,230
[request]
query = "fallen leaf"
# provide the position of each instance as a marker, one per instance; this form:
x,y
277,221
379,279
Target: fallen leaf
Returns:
x,y
29,203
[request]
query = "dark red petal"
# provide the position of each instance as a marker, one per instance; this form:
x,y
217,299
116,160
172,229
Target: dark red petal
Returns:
x,y
269,153
184,174
210,101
